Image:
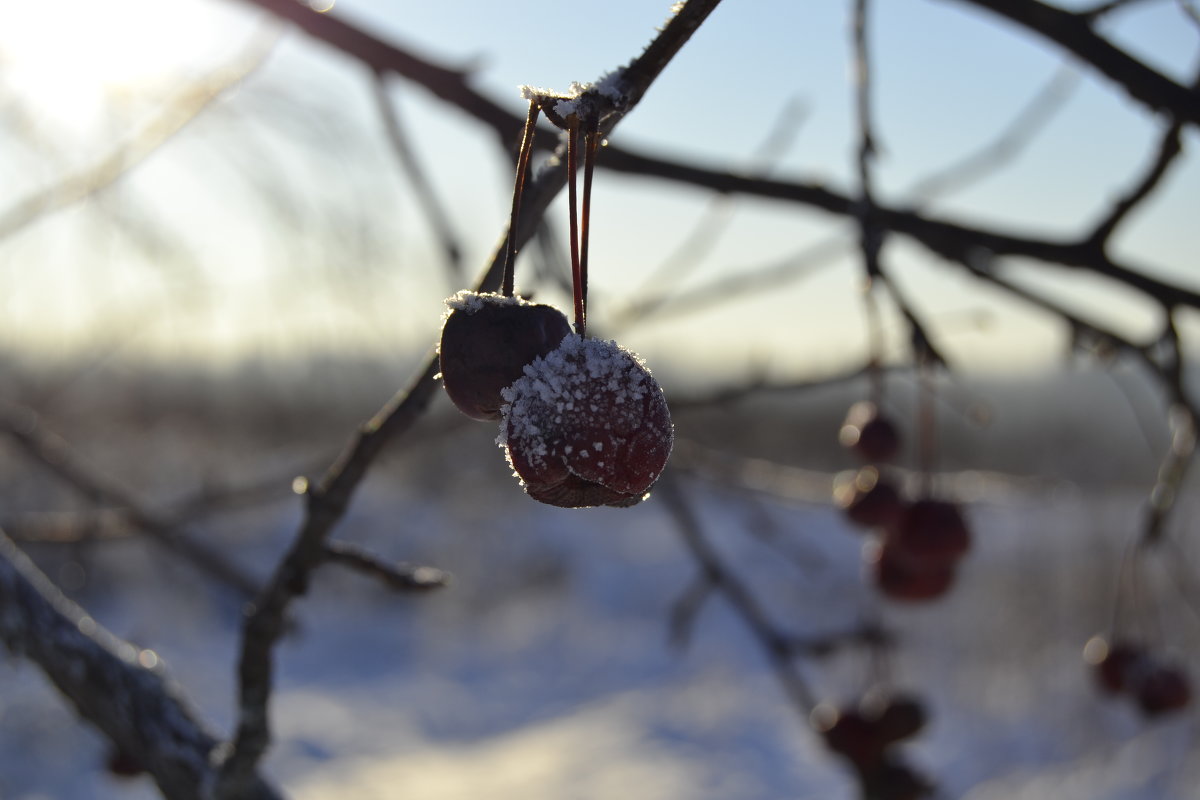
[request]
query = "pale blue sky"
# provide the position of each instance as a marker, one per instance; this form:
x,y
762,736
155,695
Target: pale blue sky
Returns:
x,y
948,79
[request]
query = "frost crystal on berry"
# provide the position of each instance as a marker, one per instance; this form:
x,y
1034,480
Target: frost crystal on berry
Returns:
x,y
586,425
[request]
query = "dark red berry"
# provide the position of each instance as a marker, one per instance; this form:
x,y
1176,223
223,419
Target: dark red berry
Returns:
x,y
898,717
930,533
869,433
123,765
586,425
893,780
1118,664
849,734
899,578
487,339
868,499
1162,688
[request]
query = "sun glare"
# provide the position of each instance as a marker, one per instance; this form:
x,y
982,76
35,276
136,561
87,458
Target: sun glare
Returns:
x,y
68,61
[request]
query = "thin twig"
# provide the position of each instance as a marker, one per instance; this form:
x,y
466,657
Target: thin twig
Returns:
x,y
435,211
173,117
25,430
775,645
398,575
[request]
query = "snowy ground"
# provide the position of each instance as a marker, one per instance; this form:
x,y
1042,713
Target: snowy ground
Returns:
x,y
545,670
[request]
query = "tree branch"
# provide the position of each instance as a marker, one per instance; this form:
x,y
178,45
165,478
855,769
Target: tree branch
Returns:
x,y
1074,33
117,688
23,428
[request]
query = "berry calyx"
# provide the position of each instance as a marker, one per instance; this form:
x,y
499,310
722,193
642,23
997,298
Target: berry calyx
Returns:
x,y
868,499
869,433
487,339
586,425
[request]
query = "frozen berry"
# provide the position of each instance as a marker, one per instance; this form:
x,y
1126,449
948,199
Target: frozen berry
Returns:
x,y
898,717
869,433
1162,688
899,578
894,780
1118,664
586,425
930,533
487,339
123,765
867,498
849,734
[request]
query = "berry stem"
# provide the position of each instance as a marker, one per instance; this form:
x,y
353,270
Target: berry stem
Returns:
x,y
874,341
523,157
591,142
573,215
926,425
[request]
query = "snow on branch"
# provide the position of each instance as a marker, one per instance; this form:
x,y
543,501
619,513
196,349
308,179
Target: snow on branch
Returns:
x,y
121,690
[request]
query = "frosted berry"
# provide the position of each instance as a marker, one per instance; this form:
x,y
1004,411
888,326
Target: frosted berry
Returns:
x,y
869,433
849,734
930,533
487,339
121,764
899,578
898,717
1118,664
868,499
586,425
1162,688
895,780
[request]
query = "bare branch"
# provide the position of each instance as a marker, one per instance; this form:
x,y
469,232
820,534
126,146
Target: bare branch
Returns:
x,y
173,117
396,575
434,210
116,687
24,429
1074,33
776,646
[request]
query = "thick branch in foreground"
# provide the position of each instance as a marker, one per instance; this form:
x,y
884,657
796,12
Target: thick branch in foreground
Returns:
x,y
114,686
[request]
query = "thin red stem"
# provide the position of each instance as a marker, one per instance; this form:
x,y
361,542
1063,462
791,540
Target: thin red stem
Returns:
x,y
591,143
510,248
573,214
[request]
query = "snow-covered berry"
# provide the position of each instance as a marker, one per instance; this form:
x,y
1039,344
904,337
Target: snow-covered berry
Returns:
x,y
486,341
586,425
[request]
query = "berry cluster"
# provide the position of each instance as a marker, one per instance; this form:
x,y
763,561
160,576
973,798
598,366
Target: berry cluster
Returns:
x,y
920,542
1124,667
582,421
867,735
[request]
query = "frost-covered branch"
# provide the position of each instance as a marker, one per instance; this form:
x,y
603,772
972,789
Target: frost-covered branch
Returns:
x,y
120,690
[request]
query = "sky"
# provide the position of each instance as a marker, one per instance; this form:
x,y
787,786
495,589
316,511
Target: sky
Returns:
x,y
277,224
